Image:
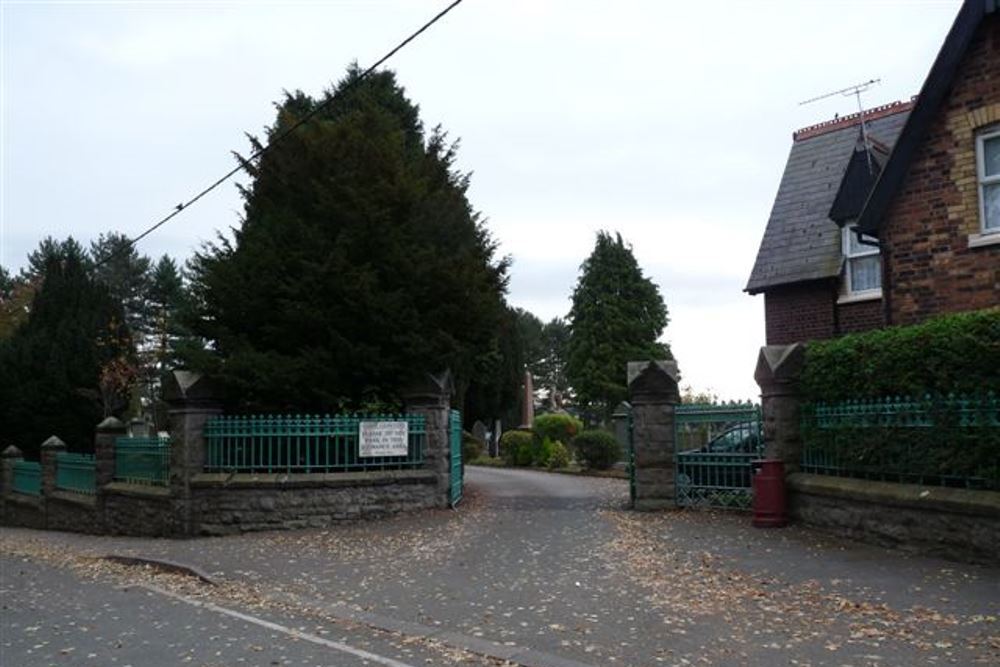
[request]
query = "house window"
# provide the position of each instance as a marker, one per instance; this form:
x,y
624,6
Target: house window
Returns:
x,y
988,162
862,266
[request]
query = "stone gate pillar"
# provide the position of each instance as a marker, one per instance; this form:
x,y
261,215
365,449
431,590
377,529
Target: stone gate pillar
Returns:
x,y
51,448
105,437
431,397
192,401
8,458
779,368
652,387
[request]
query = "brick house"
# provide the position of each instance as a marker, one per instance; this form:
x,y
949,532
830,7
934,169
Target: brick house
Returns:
x,y
895,219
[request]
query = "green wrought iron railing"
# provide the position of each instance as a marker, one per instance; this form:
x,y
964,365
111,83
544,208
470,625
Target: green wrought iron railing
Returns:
x,y
306,443
716,444
28,477
143,460
934,440
76,473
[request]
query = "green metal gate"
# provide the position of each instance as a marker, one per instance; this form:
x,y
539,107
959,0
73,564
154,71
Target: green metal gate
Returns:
x,y
715,446
457,469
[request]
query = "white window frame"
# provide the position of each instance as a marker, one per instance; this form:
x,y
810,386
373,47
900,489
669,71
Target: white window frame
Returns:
x,y
850,294
983,179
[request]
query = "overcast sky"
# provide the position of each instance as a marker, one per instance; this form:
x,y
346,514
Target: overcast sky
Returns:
x,y
668,122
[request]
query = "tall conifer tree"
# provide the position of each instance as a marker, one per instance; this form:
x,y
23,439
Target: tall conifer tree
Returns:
x,y
617,317
360,263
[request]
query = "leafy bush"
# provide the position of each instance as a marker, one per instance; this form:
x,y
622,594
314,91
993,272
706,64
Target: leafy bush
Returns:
x,y
472,447
517,448
949,354
557,427
542,452
559,457
597,449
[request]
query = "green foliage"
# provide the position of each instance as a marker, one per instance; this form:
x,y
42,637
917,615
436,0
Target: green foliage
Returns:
x,y
542,452
617,317
559,456
550,368
472,447
494,389
16,294
952,353
517,448
558,427
69,364
126,275
360,264
597,449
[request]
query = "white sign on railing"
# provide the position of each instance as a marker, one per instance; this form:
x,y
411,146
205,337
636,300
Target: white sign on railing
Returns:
x,y
382,438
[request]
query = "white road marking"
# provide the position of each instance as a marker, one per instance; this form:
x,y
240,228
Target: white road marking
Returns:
x,y
292,632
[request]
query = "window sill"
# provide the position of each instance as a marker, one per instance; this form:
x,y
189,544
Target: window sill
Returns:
x,y
980,240
859,297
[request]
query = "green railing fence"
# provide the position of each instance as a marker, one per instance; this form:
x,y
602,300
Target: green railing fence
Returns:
x,y
143,460
716,444
304,443
28,477
935,440
76,473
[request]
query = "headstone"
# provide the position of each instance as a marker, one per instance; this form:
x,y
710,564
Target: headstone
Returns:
x,y
479,432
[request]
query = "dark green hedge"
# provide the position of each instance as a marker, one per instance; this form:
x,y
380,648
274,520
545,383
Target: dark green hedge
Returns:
x,y
949,354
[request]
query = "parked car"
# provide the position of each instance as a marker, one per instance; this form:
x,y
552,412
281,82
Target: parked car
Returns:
x,y
724,461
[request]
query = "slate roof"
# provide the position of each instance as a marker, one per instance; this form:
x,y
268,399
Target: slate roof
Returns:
x,y
801,242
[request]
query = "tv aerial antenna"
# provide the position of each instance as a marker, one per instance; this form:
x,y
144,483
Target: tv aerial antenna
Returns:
x,y
855,90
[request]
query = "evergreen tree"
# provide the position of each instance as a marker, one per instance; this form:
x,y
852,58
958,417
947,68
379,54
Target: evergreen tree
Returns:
x,y
165,305
617,317
7,284
50,249
68,365
495,389
360,263
126,274
550,368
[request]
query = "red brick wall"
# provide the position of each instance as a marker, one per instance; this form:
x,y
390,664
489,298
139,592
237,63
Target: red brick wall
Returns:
x,y
930,267
799,312
859,316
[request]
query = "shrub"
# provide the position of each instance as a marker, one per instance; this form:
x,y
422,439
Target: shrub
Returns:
x,y
597,449
952,353
542,452
557,427
559,457
516,448
472,447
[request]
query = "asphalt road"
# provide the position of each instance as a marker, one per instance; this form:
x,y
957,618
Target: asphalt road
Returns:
x,y
546,570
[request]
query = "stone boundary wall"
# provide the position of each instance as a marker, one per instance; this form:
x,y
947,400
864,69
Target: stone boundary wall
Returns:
x,y
199,503
952,523
224,504
959,524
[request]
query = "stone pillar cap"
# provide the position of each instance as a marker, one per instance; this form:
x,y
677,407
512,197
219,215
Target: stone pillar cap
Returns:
x,y
53,443
12,452
432,386
780,363
182,386
652,380
111,424
622,409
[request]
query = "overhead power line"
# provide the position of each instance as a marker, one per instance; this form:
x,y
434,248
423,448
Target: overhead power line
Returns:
x,y
259,152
